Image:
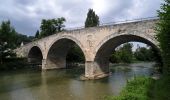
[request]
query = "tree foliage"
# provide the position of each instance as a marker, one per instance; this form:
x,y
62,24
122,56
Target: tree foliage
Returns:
x,y
7,34
51,26
37,34
92,19
124,54
75,54
163,34
7,40
10,39
144,54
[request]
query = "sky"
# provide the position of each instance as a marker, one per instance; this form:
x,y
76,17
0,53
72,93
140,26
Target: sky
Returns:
x,y
26,15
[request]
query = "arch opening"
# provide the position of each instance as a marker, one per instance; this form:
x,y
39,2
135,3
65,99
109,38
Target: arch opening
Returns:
x,y
102,58
63,53
35,56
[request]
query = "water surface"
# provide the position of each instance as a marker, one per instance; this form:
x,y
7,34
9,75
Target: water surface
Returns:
x,y
64,84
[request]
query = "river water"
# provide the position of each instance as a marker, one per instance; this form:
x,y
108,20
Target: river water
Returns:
x,y
65,84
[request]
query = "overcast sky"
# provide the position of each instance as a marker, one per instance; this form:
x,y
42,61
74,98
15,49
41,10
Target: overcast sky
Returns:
x,y
26,15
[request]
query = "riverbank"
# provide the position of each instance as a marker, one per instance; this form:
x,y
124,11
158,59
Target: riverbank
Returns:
x,y
144,88
160,89
10,64
136,89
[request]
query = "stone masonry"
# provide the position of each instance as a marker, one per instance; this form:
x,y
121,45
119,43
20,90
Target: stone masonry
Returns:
x,y
97,43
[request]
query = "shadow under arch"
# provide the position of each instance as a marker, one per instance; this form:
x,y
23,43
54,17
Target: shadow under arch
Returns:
x,y
35,55
106,48
57,53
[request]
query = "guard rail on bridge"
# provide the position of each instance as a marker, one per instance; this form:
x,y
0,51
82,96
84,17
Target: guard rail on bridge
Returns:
x,y
116,22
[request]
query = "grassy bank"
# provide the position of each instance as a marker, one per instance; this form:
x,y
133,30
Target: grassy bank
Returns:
x,y
161,89
136,89
145,88
13,64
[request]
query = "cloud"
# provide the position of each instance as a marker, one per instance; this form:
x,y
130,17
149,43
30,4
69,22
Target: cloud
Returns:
x,y
26,15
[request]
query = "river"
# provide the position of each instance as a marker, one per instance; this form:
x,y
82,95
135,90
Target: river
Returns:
x,y
65,84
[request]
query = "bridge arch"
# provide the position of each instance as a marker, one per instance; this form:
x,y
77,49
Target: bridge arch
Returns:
x,y
58,49
108,45
144,37
35,55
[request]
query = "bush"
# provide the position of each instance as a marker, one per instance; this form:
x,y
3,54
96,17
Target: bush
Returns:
x,y
13,63
136,89
161,89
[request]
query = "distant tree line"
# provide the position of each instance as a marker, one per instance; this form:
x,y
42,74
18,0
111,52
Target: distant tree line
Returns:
x,y
124,54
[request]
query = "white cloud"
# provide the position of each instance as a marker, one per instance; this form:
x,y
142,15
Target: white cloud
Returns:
x,y
26,15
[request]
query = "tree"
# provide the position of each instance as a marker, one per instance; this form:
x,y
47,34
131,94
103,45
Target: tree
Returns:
x,y
124,54
144,54
75,54
51,26
92,19
23,38
7,40
37,34
163,34
7,34
59,23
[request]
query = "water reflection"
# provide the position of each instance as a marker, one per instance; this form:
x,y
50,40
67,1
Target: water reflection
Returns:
x,y
65,84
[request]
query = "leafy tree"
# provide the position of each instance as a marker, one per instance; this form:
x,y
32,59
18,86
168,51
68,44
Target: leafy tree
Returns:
x,y
5,52
163,34
7,34
37,34
11,37
51,26
124,54
7,40
75,54
144,54
59,24
23,38
92,19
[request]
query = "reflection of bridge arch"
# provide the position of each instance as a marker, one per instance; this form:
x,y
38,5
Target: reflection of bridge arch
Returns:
x,y
57,52
106,47
35,55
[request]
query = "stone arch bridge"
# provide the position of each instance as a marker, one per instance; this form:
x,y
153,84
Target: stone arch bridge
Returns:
x,y
97,43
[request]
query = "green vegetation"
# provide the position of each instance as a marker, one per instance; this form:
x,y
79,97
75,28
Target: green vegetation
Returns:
x,y
136,89
10,39
160,89
50,26
144,54
37,34
92,19
75,55
124,54
146,88
13,64
163,34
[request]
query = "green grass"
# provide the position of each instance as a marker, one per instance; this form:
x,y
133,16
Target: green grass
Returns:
x,y
145,88
136,89
161,89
